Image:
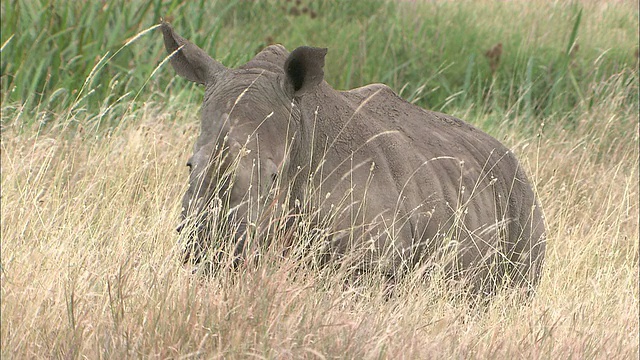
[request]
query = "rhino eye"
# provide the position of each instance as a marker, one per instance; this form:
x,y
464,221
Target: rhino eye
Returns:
x,y
189,165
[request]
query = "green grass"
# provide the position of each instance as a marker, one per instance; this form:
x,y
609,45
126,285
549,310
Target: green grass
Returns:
x,y
63,54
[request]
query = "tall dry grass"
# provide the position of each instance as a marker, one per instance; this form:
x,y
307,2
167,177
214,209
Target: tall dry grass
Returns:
x,y
90,268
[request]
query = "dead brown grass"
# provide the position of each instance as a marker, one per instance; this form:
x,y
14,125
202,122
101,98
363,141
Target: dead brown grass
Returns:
x,y
89,267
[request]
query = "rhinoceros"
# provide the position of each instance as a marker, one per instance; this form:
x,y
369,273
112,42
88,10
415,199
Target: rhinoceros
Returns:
x,y
401,184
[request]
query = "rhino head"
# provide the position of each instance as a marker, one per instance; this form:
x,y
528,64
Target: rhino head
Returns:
x,y
247,117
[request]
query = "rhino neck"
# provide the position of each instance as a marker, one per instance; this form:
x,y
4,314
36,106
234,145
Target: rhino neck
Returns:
x,y
325,118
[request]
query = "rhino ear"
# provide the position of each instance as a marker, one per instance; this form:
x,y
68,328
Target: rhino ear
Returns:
x,y
304,68
190,61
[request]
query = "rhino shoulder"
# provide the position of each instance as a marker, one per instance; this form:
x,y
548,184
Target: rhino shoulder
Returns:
x,y
369,91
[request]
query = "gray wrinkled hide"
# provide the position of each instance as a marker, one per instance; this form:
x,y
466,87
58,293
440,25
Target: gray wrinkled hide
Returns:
x,y
409,186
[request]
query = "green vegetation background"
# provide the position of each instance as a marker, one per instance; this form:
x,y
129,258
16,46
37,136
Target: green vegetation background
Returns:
x,y
90,56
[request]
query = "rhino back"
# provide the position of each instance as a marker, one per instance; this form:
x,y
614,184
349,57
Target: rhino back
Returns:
x,y
431,177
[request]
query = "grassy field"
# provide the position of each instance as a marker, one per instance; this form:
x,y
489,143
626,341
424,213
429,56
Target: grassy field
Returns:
x,y
95,136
